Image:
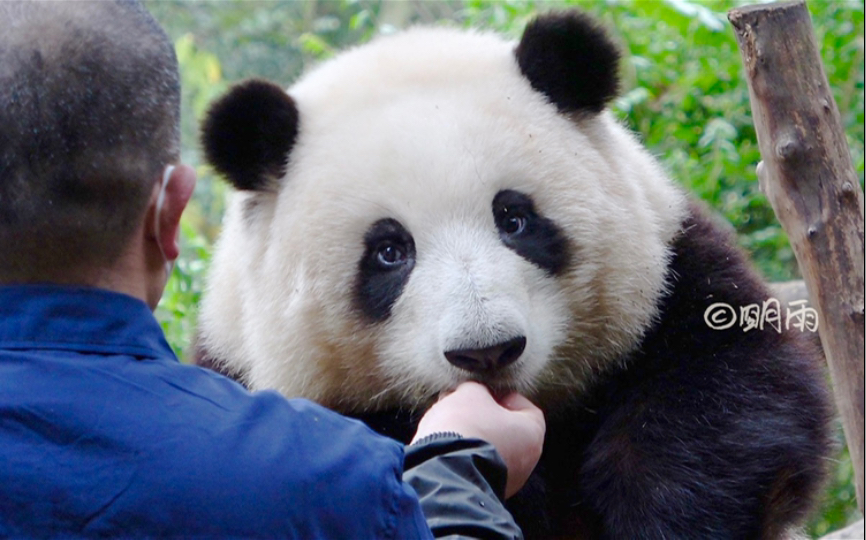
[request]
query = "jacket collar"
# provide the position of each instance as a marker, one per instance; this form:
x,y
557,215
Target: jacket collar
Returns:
x,y
84,319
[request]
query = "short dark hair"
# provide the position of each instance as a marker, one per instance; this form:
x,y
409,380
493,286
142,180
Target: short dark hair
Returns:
x,y
89,117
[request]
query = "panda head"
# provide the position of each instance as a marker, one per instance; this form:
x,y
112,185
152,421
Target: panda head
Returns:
x,y
432,207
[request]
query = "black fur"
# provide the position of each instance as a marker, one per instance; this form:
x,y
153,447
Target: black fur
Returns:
x,y
249,132
570,59
379,284
539,241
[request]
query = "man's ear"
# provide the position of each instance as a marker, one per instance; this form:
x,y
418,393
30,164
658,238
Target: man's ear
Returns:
x,y
178,191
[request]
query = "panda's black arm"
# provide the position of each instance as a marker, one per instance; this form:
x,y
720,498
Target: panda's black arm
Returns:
x,y
718,461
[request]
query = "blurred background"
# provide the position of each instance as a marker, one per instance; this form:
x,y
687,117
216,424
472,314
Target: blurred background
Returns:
x,y
683,93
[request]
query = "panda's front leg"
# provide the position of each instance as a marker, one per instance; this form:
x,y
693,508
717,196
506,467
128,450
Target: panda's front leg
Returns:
x,y
712,449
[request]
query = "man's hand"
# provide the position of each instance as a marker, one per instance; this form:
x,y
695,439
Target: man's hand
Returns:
x,y
513,425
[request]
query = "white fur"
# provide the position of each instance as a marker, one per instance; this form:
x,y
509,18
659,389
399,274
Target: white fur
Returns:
x,y
426,127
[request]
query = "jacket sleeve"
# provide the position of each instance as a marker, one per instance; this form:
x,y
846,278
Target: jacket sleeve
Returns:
x,y
461,485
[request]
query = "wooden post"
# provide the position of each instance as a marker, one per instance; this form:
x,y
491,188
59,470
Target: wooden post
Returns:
x,y
810,181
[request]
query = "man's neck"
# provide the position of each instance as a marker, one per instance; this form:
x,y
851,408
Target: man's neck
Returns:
x,y
131,275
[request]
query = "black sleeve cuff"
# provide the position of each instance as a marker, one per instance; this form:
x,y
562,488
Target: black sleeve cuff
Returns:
x,y
461,485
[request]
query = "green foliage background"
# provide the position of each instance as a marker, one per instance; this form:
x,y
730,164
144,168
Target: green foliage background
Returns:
x,y
683,93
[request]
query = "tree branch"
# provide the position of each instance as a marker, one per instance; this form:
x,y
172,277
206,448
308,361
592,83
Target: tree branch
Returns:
x,y
810,181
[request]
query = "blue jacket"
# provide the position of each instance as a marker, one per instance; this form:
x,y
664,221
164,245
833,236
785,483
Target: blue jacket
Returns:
x,y
104,432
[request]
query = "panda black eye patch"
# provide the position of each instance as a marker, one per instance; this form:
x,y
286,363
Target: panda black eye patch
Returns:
x,y
389,257
534,237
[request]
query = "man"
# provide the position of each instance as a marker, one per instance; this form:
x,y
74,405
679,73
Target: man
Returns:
x,y
102,431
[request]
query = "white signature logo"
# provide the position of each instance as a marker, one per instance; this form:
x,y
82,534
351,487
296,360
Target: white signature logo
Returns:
x,y
721,316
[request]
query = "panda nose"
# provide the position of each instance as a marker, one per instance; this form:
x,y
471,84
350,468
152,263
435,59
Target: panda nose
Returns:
x,y
488,359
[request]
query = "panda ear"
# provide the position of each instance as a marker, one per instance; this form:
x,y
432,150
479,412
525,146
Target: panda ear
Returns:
x,y
568,57
249,132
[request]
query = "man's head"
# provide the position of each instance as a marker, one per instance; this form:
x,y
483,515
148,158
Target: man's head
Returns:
x,y
89,120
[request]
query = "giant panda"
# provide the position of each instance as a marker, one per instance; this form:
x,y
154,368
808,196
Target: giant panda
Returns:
x,y
441,205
